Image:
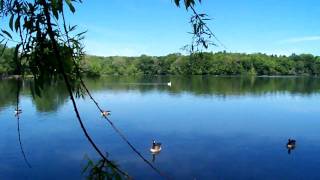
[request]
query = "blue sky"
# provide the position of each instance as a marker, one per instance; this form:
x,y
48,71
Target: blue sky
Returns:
x,y
157,27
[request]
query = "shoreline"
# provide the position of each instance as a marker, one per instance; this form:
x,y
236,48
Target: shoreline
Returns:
x,y
172,75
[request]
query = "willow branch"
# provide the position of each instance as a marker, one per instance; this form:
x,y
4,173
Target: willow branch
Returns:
x,y
68,85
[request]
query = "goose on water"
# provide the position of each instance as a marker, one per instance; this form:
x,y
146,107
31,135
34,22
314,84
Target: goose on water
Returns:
x,y
156,147
105,113
169,83
291,145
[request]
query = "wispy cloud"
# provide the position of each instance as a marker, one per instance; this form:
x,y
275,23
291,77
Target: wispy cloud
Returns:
x,y
300,39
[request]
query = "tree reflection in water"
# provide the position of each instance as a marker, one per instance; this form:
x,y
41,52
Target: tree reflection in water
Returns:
x,y
154,155
18,111
55,95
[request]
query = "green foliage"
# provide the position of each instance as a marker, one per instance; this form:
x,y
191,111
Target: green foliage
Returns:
x,y
7,64
55,96
187,3
220,63
52,97
201,34
100,170
46,46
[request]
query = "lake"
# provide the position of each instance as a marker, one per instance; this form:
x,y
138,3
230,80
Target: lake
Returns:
x,y
209,127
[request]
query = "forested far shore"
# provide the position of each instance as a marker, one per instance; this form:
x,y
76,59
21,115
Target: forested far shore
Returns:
x,y
220,63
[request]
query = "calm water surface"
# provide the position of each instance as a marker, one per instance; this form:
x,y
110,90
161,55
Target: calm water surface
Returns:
x,y
210,127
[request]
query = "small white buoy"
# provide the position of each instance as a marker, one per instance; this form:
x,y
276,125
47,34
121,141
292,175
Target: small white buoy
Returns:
x,y
169,83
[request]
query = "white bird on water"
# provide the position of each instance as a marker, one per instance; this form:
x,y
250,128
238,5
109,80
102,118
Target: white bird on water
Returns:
x,y
169,83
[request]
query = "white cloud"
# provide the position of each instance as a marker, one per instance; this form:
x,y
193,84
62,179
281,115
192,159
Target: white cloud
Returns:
x,y
300,39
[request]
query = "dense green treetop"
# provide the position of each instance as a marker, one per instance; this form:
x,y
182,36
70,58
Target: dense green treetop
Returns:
x,y
220,63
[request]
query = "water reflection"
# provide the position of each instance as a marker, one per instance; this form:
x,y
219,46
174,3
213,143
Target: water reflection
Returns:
x,y
211,85
8,93
154,155
51,98
17,113
225,135
100,170
56,95
20,141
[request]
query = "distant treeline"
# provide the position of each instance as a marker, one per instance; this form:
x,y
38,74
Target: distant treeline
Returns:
x,y
221,63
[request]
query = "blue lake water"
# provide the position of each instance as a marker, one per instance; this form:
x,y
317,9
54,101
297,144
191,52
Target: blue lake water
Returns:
x,y
209,127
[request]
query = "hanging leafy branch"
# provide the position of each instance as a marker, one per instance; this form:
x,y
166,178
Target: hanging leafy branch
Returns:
x,y
44,50
187,3
49,53
28,30
100,170
202,35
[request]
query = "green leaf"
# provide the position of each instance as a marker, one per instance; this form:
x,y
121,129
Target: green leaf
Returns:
x,y
17,23
11,22
177,2
81,33
189,3
72,28
16,54
7,33
84,170
71,7
1,4
4,48
55,8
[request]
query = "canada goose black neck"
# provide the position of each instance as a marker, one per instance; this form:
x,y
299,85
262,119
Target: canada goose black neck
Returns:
x,y
291,141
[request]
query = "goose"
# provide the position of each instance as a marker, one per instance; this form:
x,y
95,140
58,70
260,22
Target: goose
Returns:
x,y
105,113
156,147
169,83
291,145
